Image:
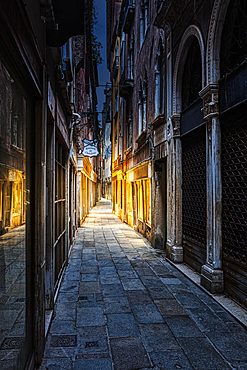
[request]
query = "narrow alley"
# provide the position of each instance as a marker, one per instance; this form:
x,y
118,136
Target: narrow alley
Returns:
x,y
122,306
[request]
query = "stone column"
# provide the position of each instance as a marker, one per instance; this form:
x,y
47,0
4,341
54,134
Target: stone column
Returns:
x,y
211,274
174,194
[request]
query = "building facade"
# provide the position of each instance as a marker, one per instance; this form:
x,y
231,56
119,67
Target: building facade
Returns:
x,y
182,91
106,145
39,210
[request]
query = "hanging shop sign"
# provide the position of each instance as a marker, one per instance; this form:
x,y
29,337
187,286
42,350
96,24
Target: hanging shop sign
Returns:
x,y
90,148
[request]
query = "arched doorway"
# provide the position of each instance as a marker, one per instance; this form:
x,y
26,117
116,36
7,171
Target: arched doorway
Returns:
x,y
193,136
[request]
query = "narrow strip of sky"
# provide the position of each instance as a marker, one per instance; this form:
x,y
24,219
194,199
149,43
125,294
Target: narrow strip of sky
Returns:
x,y
100,32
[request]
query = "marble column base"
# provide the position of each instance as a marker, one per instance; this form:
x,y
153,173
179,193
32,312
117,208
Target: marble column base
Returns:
x,y
212,280
174,253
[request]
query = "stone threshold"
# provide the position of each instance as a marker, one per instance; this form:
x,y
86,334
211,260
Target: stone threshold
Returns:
x,y
237,311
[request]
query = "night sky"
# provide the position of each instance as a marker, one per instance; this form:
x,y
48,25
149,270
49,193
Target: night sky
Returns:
x,y
102,68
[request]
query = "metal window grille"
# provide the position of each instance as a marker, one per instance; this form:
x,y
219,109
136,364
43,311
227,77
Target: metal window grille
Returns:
x,y
194,197
234,180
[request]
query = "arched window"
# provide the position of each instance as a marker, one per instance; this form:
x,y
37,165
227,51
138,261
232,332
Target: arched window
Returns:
x,y
143,94
129,124
144,19
145,98
122,61
140,109
131,56
234,37
192,76
159,80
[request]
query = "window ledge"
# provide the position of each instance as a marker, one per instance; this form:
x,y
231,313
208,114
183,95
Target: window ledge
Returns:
x,y
141,136
128,150
159,120
20,150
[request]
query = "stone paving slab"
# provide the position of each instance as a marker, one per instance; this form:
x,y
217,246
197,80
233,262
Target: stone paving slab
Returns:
x,y
202,355
170,360
158,337
129,353
122,306
122,325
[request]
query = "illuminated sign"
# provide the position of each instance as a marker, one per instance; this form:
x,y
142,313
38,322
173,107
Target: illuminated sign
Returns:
x,y
90,148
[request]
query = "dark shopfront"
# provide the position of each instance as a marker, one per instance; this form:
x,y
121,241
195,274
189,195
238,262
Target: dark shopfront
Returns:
x,y
19,86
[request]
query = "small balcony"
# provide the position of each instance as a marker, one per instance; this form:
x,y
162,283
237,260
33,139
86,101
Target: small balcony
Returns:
x,y
115,67
129,12
125,85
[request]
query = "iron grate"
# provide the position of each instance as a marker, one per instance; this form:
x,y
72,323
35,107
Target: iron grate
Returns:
x,y
234,181
194,185
12,343
92,344
64,341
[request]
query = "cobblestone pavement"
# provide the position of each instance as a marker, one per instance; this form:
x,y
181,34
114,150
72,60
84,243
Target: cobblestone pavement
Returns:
x,y
122,306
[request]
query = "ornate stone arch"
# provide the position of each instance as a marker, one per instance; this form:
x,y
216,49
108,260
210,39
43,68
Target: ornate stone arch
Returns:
x,y
191,32
214,41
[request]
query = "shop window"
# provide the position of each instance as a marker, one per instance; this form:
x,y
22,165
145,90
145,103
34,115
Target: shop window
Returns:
x,y
129,197
15,241
147,198
121,194
18,116
140,200
59,210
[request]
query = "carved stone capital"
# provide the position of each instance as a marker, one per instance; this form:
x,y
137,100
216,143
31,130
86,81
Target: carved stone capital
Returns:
x,y
210,99
176,124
